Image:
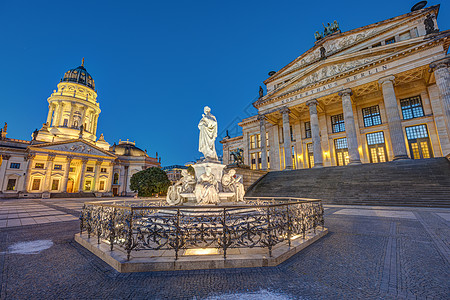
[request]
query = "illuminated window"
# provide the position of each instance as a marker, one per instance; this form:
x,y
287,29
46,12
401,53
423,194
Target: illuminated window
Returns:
x,y
252,142
341,149
412,107
14,166
267,139
71,169
87,185
57,167
292,133
377,147
371,116
253,161
102,185
259,161
103,170
337,123
307,130
11,185
36,184
39,165
55,184
258,140
89,169
416,132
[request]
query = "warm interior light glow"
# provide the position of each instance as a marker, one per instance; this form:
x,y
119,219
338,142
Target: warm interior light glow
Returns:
x,y
296,236
202,251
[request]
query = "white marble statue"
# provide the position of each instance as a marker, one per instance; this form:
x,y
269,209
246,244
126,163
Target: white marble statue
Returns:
x,y
208,134
185,185
231,183
207,189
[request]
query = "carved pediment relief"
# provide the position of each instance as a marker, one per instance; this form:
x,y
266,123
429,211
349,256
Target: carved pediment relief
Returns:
x,y
78,147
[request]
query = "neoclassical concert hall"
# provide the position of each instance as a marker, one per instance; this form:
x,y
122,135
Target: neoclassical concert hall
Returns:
x,y
372,94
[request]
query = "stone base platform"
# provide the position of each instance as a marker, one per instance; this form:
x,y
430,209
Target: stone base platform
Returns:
x,y
164,260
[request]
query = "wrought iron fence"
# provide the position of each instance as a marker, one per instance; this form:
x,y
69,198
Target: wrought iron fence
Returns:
x,y
260,222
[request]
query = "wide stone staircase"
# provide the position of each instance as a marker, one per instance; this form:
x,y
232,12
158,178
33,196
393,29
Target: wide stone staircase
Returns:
x,y
424,182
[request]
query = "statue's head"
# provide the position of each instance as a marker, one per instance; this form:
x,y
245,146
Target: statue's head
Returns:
x,y
232,172
184,173
207,109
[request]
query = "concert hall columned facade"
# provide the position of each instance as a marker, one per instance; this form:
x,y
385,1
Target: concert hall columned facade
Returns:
x,y
373,94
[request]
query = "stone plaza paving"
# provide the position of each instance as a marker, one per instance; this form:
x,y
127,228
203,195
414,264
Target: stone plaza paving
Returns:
x,y
369,253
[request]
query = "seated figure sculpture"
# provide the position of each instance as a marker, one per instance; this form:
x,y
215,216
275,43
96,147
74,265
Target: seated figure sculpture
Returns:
x,y
230,183
185,185
207,189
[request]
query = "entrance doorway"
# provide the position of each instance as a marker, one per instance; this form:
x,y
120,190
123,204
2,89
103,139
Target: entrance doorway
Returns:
x,y
70,185
115,191
310,154
341,149
377,147
419,142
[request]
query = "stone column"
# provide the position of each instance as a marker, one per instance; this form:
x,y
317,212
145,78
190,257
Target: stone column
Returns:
x,y
83,171
96,171
287,138
48,172
72,108
274,145
66,173
350,128
60,113
49,115
315,133
442,75
262,130
393,116
95,125
26,182
4,166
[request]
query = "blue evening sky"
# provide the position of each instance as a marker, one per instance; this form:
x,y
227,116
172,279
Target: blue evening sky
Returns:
x,y
156,64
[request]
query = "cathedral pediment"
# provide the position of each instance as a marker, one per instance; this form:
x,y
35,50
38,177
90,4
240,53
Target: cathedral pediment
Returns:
x,y
79,147
341,44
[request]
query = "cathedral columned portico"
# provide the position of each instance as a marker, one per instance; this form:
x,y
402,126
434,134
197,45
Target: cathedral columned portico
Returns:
x,y
373,94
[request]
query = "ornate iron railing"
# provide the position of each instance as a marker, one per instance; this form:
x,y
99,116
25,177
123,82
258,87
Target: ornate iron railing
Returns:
x,y
260,222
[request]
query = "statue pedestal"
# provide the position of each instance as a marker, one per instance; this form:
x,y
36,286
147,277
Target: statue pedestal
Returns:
x,y
216,169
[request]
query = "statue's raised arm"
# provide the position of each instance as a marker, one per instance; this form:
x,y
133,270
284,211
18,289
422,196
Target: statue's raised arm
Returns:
x,y
208,134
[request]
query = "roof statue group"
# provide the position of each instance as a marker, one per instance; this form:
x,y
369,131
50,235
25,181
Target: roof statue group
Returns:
x,y
329,29
210,183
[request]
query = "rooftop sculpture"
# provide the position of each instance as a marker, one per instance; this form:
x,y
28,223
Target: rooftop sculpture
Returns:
x,y
328,29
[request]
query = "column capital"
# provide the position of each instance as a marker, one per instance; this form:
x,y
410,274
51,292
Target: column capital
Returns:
x,y
285,110
6,156
29,156
440,63
98,162
262,117
84,160
346,92
51,157
386,79
69,158
312,102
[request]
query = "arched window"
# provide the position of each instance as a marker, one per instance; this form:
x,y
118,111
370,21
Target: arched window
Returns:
x,y
116,178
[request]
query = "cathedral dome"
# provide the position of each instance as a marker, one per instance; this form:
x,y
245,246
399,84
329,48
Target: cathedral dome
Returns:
x,y
79,75
127,148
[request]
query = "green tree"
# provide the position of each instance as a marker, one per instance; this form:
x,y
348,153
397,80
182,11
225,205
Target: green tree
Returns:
x,y
150,181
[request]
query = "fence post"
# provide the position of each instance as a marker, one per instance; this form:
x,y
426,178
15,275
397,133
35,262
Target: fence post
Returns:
x,y
224,233
177,234
129,245
269,226
112,228
289,225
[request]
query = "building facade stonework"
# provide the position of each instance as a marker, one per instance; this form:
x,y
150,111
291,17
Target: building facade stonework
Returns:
x,y
373,94
65,156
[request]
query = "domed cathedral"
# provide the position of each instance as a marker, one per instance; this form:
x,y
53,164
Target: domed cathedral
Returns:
x,y
65,157
73,110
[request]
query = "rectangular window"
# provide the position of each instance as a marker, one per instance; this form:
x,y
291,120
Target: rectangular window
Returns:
x,y
376,45
57,167
39,165
371,116
258,140
405,36
36,184
89,169
340,143
71,169
11,185
103,170
87,185
253,161
66,122
416,132
337,123
291,133
268,160
55,184
412,107
14,166
267,139
390,41
307,130
252,142
102,185
259,161
375,138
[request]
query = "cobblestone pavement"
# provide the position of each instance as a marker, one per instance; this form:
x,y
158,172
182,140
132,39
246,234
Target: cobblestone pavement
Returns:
x,y
369,253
